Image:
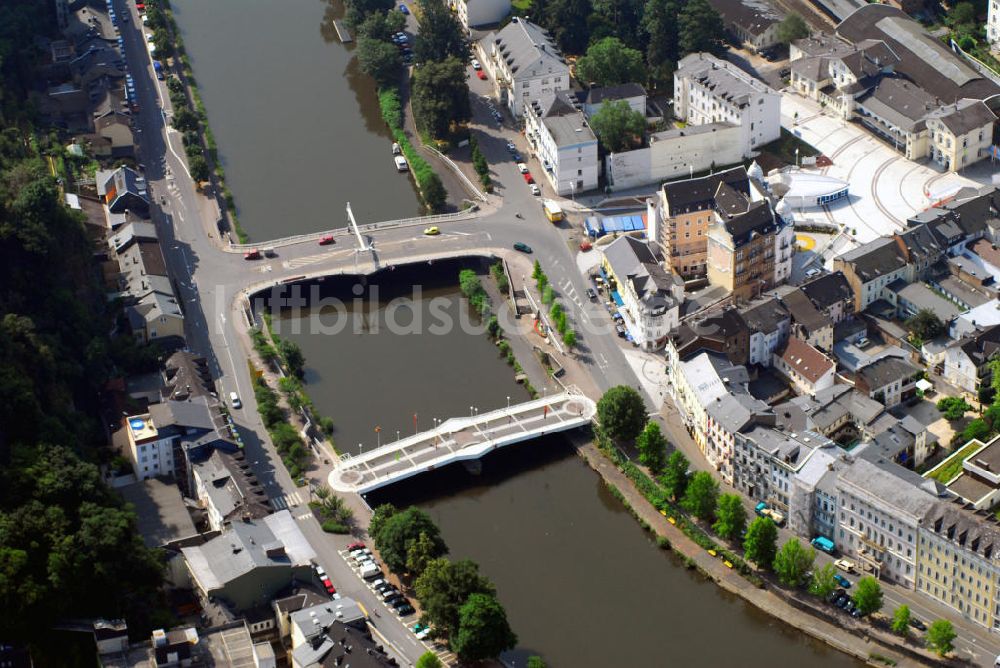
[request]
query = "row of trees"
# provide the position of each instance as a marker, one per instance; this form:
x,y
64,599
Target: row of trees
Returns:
x,y
440,87
458,602
556,310
622,414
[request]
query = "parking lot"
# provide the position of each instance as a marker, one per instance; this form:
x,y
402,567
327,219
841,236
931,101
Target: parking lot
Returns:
x,y
885,189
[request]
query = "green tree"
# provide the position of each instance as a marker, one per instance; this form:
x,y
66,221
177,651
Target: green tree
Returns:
x,y
379,60
535,662
618,126
791,28
995,377
675,476
730,516
609,63
382,26
925,325
567,19
621,412
420,553
400,531
939,637
760,543
359,10
429,660
483,630
901,621
444,587
963,13
953,408
569,338
660,23
435,196
823,583
700,28
992,416
792,562
652,447
976,429
440,36
440,95
199,168
184,120
868,595
701,495
293,357
620,18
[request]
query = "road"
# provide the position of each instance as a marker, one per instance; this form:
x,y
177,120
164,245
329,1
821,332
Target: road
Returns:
x,y
210,280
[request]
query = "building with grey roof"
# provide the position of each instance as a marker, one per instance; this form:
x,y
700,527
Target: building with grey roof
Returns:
x,y
561,137
122,189
251,561
334,634
186,375
595,97
651,297
871,267
524,64
812,505
911,298
754,23
228,489
890,379
769,324
906,442
882,506
729,415
710,90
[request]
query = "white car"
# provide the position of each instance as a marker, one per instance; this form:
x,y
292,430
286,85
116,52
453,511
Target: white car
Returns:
x,y
535,190
234,400
475,65
320,571
523,168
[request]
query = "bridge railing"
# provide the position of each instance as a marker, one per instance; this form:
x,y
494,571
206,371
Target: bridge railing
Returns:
x,y
465,214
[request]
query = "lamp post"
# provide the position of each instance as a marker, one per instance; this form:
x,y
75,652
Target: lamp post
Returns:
x,y
361,448
397,434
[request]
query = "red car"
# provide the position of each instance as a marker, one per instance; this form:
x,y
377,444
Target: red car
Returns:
x,y
329,586
356,546
140,6
528,178
585,246
327,240
252,255
481,75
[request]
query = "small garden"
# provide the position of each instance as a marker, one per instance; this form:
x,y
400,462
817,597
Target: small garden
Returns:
x,y
331,511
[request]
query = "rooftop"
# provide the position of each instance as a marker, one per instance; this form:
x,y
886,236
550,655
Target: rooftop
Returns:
x,y
161,515
699,193
765,315
725,80
528,49
805,360
887,370
875,259
753,16
901,490
599,94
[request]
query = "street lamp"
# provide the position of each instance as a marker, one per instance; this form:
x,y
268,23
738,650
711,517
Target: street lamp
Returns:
x,y
572,187
508,403
361,448
397,434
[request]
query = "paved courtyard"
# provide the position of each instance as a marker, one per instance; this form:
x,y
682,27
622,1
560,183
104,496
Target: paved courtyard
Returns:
x,y
885,187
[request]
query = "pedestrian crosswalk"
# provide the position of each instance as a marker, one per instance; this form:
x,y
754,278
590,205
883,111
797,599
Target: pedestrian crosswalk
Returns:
x,y
286,501
296,263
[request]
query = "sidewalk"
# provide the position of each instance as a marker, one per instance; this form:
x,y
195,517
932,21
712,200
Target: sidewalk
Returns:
x,y
728,579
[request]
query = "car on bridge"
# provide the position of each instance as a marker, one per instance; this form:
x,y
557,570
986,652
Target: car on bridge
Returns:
x,y
327,240
523,247
252,255
432,231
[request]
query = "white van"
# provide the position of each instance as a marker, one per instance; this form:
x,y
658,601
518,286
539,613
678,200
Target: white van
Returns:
x,y
370,571
234,400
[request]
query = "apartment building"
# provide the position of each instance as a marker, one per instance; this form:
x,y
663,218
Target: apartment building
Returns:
x,y
474,13
749,248
808,369
870,268
524,64
710,90
958,562
699,382
769,323
560,136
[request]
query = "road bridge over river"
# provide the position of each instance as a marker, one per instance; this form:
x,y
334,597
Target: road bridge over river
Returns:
x,y
460,439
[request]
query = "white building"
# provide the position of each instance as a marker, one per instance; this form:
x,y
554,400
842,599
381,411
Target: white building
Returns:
x,y
881,507
993,23
651,298
700,382
766,461
813,502
769,323
807,368
560,136
728,416
524,64
967,361
710,90
473,13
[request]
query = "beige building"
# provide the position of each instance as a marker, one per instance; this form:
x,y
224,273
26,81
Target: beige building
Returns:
x,y
958,562
746,247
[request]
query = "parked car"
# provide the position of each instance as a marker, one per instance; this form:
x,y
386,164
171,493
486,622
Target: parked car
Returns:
x,y
528,178
535,190
481,74
252,255
842,581
523,168
917,624
327,240
234,400
835,594
380,584
523,247
357,545
511,148
329,586
857,613
405,610
399,602
390,595
591,294
320,571
432,231
475,65
403,8
812,272
845,565
841,602
516,156
585,245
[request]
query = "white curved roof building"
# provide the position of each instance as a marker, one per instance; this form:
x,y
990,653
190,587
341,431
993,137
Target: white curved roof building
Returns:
x,y
806,190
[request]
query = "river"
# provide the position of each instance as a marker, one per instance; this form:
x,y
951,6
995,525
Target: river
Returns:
x,y
283,97
299,135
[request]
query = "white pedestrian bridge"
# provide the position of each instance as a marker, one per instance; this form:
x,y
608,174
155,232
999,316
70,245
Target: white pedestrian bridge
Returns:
x,y
459,439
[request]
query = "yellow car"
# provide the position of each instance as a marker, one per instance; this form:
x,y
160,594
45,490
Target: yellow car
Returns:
x,y
432,231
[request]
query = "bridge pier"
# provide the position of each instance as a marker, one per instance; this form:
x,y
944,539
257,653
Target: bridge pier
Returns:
x,y
473,466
